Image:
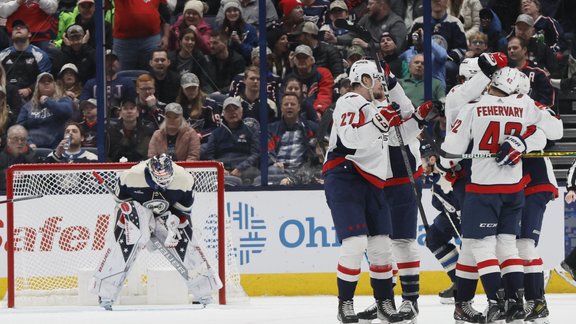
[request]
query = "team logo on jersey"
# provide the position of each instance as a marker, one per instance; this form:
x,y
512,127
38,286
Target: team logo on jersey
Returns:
x,y
157,206
126,208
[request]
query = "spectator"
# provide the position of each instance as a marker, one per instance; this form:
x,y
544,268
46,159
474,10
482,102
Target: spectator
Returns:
x,y
167,81
274,82
243,36
223,63
293,85
192,18
188,58
390,53
278,42
7,119
45,114
13,99
151,110
325,55
69,84
468,11
136,33
175,137
413,85
128,136
439,55
540,87
331,33
250,97
477,44
17,151
118,89
22,61
490,25
250,12
36,15
293,15
547,29
70,150
507,11
76,51
235,145
290,142
83,15
201,112
89,123
315,11
317,81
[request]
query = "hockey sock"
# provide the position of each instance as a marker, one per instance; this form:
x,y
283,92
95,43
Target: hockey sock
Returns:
x,y
382,288
410,287
452,275
534,285
346,289
465,289
491,282
448,256
512,282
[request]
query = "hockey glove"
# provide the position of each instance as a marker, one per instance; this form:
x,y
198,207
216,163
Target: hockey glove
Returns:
x,y
421,113
511,150
173,235
452,174
491,62
387,117
456,55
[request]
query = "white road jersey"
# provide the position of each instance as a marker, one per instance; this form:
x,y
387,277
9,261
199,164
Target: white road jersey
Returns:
x,y
462,94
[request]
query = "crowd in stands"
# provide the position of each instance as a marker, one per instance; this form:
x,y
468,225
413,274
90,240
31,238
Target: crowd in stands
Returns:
x,y
183,77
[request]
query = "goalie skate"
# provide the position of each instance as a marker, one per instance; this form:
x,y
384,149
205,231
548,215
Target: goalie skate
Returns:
x,y
566,273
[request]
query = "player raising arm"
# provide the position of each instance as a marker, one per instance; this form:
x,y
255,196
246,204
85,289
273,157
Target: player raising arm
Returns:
x,y
154,197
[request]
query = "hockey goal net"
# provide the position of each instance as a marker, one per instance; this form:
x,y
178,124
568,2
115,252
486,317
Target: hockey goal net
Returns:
x,y
54,240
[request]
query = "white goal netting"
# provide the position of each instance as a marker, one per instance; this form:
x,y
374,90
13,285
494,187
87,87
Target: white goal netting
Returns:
x,y
59,239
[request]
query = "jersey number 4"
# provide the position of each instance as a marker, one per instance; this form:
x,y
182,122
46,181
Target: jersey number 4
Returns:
x,y
491,139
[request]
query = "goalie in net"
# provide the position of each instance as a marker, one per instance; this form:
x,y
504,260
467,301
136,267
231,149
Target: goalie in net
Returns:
x,y
155,200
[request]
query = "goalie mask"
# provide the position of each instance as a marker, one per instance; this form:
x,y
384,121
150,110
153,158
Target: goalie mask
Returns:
x,y
161,169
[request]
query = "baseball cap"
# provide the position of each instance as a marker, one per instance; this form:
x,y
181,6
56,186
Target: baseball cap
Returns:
x,y
19,22
75,31
256,51
43,74
67,66
307,27
303,49
524,18
338,4
355,50
173,107
231,101
486,13
88,103
189,80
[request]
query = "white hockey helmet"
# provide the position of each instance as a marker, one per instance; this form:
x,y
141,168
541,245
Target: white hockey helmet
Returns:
x,y
161,169
507,79
361,67
469,67
523,84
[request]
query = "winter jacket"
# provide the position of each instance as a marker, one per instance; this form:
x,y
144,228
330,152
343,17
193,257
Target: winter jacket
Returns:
x,y
291,149
45,124
317,86
187,144
133,146
238,148
469,15
329,57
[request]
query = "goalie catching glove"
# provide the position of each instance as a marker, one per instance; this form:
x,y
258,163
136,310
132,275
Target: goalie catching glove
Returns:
x,y
511,150
387,117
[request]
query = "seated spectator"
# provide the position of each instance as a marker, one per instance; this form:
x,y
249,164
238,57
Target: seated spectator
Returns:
x,y
201,112
223,63
22,61
7,118
235,145
317,81
439,55
315,11
243,36
83,15
38,15
468,11
274,82
250,97
250,12
413,85
45,114
338,10
325,55
151,110
390,53
294,86
547,29
76,51
192,18
118,88
477,44
291,142
13,99
167,80
17,151
69,84
188,58
490,25
293,15
70,150
128,136
89,123
278,42
175,137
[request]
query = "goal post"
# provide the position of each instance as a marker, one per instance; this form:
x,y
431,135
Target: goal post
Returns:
x,y
55,237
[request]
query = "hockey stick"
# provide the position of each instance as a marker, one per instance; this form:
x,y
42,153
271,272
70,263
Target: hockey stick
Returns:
x,y
448,209
174,261
20,199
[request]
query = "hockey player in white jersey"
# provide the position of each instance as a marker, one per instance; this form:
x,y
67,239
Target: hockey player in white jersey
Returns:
x,y
154,197
355,169
494,197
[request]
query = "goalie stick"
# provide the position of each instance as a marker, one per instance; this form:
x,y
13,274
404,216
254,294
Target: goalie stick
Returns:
x,y
20,199
174,261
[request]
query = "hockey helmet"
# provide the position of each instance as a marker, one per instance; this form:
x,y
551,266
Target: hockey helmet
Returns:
x,y
161,169
523,84
361,67
468,68
507,79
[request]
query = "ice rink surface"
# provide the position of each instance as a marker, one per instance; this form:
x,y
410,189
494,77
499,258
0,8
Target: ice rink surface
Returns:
x,y
258,310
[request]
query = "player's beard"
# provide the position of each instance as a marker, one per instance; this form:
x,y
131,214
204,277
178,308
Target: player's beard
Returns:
x,y
378,95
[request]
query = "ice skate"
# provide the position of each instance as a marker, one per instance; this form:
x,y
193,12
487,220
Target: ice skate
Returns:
x,y
447,295
515,313
496,310
409,311
346,312
368,315
387,312
465,313
537,312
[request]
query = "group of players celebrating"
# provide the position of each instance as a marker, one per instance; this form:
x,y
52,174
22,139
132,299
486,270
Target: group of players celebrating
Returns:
x,y
494,203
